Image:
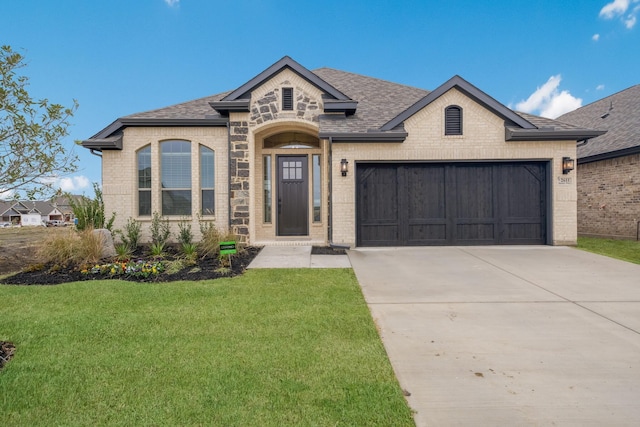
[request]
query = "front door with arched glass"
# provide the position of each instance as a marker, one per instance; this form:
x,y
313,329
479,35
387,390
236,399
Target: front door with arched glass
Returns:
x,y
292,196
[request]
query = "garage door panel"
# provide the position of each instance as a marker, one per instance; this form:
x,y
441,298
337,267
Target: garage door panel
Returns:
x,y
426,234
523,190
378,205
425,188
451,204
474,191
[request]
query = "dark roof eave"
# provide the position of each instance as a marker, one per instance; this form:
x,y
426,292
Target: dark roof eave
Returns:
x,y
337,106
99,144
513,134
124,122
609,155
226,107
364,136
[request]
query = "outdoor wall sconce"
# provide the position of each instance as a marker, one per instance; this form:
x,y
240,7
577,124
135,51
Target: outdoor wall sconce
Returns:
x,y
568,164
344,167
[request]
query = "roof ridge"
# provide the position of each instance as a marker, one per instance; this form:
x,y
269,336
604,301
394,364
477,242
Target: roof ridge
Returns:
x,y
370,77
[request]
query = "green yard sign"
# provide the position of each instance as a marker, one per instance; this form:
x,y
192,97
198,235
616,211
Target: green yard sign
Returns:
x,y
227,248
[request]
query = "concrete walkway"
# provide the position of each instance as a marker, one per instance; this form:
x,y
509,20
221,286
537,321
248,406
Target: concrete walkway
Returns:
x,y
505,336
296,257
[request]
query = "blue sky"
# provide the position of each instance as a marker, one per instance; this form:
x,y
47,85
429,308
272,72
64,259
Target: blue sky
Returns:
x,y
120,57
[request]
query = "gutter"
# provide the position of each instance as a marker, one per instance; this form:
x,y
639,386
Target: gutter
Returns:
x,y
373,136
512,134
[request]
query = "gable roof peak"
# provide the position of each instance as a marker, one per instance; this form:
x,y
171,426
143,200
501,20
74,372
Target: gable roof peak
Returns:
x,y
468,89
283,63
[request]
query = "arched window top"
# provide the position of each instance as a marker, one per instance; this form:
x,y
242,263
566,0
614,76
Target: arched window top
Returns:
x,y
453,120
291,140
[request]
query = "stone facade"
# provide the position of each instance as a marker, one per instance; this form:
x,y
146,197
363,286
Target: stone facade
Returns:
x,y
239,179
609,197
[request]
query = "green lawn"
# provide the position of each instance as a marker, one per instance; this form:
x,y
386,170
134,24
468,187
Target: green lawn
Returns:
x,y
627,250
269,348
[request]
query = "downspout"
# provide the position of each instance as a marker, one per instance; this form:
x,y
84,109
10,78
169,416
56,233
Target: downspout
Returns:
x,y
330,220
229,175
93,151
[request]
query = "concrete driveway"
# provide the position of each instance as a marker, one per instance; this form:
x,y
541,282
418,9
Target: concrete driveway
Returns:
x,y
507,336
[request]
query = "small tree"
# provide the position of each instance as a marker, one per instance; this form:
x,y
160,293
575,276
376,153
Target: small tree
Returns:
x,y
90,212
31,154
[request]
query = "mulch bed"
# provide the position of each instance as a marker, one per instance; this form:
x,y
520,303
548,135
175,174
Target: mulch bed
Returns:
x,y
6,352
204,269
327,250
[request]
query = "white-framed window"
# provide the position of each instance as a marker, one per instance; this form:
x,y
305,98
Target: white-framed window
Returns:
x,y
144,181
175,170
207,181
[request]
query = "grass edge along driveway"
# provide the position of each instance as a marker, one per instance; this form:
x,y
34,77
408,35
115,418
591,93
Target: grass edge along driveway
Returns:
x,y
272,347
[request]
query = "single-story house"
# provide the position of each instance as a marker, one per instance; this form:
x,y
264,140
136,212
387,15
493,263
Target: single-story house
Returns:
x,y
609,166
295,156
10,211
16,211
63,204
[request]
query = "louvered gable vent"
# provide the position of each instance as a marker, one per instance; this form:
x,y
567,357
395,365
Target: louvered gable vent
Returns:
x,y
453,120
287,98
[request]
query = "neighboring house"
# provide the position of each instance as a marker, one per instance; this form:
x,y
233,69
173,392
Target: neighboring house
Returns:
x,y
16,211
609,166
295,156
64,206
47,211
10,211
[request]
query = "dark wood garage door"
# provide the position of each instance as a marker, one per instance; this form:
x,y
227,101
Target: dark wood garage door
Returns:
x,y
451,204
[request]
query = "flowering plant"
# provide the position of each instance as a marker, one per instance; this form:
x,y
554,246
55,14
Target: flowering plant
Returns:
x,y
127,268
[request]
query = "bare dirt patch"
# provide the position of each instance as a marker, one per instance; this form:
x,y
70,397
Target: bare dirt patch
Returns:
x,y
18,246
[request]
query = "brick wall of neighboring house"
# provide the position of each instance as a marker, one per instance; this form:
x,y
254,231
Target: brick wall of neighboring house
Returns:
x,y
609,197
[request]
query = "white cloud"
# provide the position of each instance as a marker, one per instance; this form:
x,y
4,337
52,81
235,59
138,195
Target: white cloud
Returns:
x,y
172,3
619,8
600,87
630,21
74,184
5,195
548,101
613,9
595,37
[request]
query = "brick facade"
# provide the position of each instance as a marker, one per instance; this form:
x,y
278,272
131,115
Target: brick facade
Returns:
x,y
482,139
240,155
609,197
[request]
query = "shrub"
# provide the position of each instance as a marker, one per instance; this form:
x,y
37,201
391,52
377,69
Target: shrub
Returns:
x,y
131,234
185,236
72,249
160,231
123,252
157,250
90,212
211,238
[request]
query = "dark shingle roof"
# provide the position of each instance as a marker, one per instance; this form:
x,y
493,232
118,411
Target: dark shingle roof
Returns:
x,y
619,115
378,100
381,105
196,109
